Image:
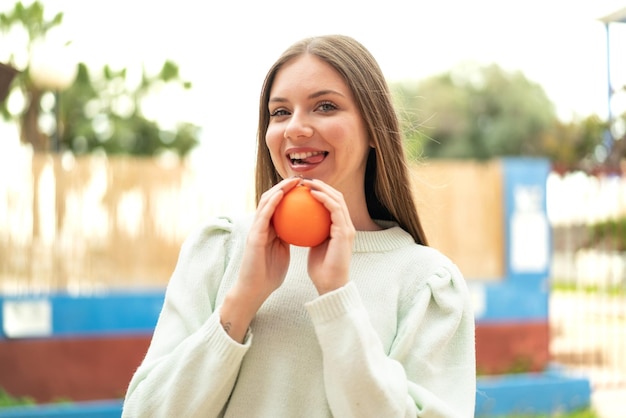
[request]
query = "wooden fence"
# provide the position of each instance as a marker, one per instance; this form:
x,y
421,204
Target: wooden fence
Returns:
x,y
96,222
91,223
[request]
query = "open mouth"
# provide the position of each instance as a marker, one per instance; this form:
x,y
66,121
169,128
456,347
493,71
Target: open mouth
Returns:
x,y
305,158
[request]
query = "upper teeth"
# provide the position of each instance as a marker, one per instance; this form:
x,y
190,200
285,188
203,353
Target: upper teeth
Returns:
x,y
303,155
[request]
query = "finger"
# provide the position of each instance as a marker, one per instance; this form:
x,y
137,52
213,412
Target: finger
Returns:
x,y
326,194
270,198
268,203
334,201
319,185
284,185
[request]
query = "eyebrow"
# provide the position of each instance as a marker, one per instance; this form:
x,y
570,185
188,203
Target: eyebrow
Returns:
x,y
311,96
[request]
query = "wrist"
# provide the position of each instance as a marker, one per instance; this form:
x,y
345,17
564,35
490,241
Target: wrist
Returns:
x,y
330,286
236,313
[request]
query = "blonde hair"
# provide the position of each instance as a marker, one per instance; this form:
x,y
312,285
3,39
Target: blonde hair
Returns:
x,y
387,184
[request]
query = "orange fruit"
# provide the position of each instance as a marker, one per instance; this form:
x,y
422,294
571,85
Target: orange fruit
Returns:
x,y
300,219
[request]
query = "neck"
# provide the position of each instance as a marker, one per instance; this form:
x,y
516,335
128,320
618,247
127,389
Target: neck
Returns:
x,y
365,224
359,214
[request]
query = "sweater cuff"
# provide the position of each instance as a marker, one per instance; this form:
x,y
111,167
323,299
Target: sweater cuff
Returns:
x,y
334,304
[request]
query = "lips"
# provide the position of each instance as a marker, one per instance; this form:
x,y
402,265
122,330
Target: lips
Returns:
x,y
307,158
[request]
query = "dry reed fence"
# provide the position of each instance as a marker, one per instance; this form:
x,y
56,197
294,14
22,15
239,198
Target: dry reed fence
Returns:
x,y
91,223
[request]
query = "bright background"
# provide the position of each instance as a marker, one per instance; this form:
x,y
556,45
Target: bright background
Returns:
x,y
225,47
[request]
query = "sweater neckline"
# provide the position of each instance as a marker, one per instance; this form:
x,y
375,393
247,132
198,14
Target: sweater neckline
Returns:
x,y
389,238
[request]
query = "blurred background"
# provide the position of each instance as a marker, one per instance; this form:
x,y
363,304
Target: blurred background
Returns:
x,y
125,124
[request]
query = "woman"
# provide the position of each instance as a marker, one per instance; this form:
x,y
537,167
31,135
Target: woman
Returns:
x,y
370,323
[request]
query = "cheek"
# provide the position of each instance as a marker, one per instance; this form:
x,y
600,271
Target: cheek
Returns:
x,y
273,141
339,134
348,136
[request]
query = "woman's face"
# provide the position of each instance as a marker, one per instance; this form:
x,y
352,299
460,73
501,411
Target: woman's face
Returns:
x,y
315,129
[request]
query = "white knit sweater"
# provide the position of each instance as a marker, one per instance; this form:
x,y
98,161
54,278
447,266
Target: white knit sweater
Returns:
x,y
397,341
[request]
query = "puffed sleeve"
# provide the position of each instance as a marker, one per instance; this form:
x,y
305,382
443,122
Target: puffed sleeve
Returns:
x,y
436,346
428,372
191,364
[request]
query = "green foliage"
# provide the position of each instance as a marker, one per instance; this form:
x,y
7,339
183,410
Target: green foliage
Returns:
x,y
521,364
572,145
30,18
564,286
475,112
583,413
104,114
609,234
99,111
7,400
485,112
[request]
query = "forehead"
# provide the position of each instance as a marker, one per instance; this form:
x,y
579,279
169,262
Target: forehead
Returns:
x,y
307,72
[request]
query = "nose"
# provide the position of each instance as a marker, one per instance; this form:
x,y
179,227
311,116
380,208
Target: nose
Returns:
x,y
298,127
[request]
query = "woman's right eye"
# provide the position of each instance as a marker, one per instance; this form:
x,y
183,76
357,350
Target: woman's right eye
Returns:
x,y
279,112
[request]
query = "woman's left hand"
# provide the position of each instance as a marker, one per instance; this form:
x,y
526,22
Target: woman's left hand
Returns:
x,y
329,262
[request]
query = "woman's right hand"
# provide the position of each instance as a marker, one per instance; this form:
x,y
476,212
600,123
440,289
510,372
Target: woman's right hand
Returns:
x,y
263,266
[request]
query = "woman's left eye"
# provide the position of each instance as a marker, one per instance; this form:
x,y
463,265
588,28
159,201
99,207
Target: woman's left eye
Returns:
x,y
327,106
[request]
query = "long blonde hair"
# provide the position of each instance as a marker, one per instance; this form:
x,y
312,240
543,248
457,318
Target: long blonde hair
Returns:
x,y
387,185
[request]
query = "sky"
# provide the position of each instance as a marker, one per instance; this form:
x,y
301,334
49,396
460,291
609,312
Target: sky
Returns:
x,y
225,47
